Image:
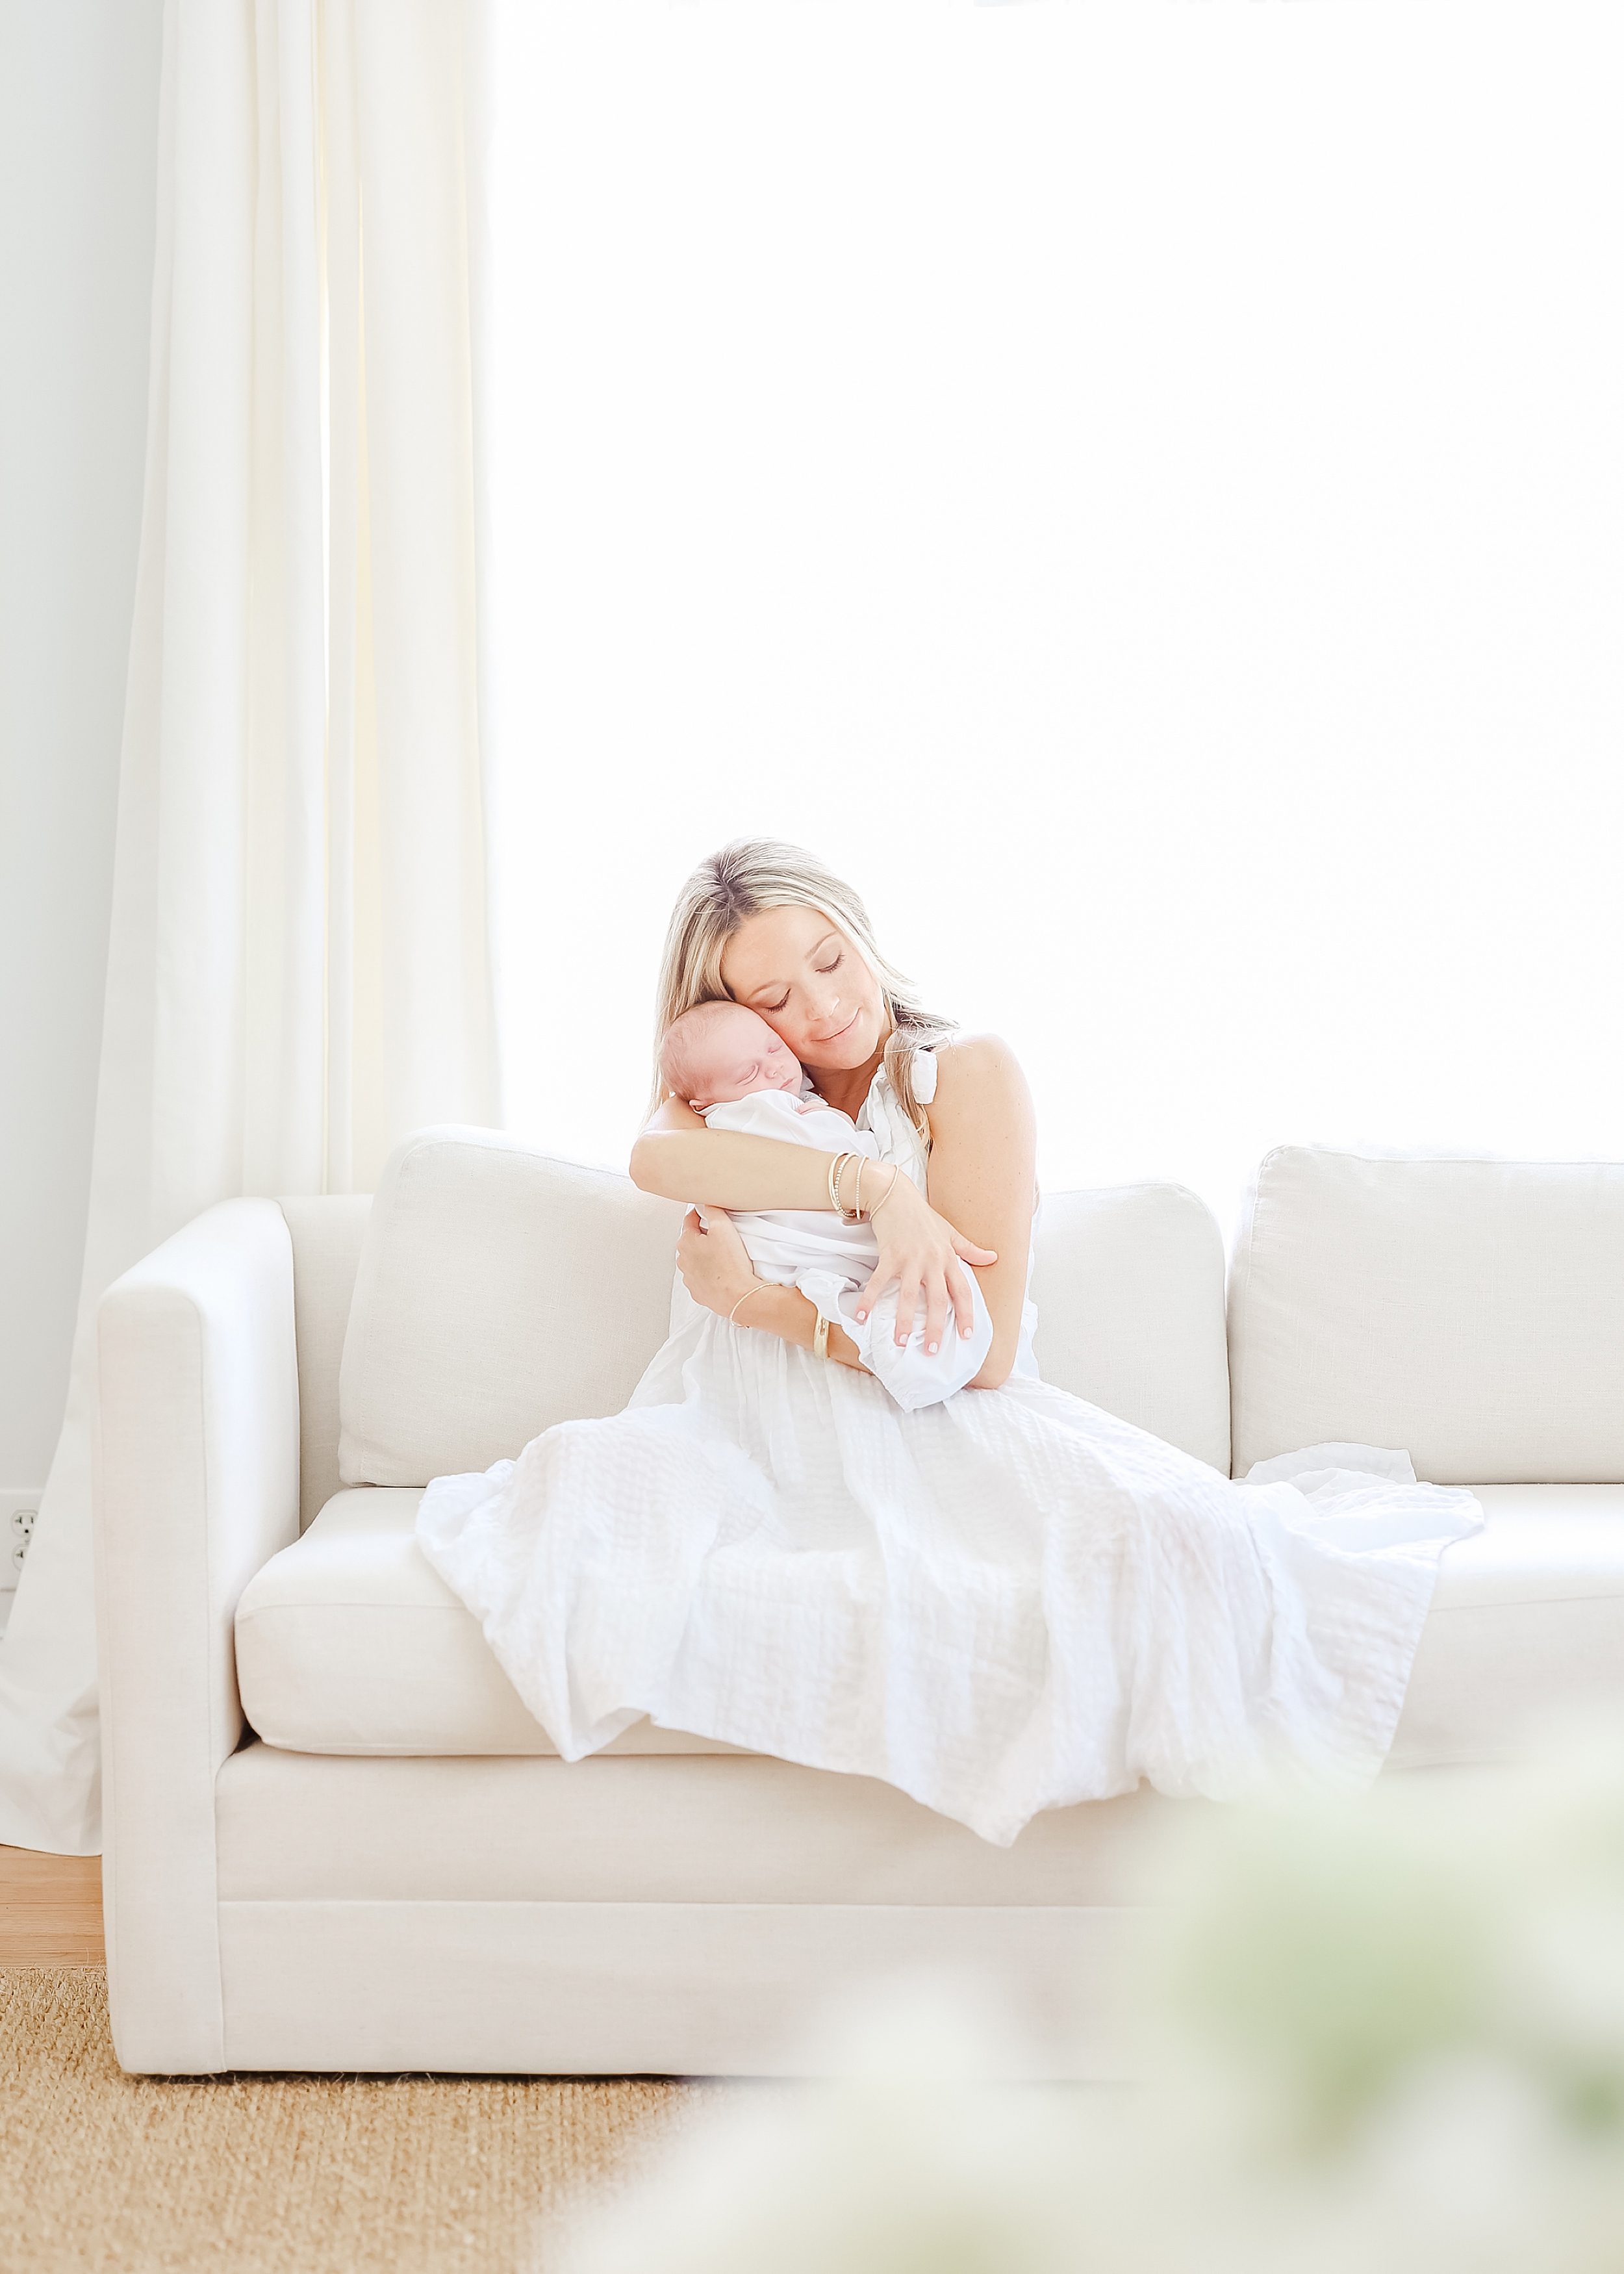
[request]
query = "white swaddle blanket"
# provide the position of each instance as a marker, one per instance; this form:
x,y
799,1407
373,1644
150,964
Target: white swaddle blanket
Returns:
x,y
1000,1601
831,1263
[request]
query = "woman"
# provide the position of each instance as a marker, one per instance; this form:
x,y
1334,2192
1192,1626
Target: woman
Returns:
x,y
767,925
1004,1602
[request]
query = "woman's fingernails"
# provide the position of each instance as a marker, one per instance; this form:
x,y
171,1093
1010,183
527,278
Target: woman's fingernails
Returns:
x,y
861,1315
931,1348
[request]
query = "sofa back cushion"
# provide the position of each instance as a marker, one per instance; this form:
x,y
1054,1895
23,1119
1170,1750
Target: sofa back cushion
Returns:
x,y
500,1291
1129,1287
1471,1312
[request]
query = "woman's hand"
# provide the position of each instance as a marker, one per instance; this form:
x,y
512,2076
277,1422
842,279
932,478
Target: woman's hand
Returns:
x,y
920,1251
715,1265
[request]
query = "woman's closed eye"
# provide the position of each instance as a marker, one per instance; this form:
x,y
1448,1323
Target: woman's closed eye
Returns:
x,y
823,970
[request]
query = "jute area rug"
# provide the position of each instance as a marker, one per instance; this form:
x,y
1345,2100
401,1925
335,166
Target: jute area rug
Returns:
x,y
289,2175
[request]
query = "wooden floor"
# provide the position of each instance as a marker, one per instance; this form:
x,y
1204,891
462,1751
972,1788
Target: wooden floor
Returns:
x,y
50,1909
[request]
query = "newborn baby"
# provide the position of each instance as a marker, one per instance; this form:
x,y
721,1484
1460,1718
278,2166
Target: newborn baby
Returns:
x,y
732,1068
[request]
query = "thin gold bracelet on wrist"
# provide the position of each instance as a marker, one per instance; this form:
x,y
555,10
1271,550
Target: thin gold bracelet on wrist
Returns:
x,y
745,1298
835,1166
896,1170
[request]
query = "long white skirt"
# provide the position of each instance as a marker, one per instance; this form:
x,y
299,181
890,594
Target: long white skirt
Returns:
x,y
1001,1603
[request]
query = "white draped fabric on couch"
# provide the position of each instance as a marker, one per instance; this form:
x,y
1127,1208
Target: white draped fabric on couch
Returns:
x,y
298,970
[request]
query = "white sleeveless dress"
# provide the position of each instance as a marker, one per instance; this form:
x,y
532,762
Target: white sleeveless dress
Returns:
x,y
1004,1602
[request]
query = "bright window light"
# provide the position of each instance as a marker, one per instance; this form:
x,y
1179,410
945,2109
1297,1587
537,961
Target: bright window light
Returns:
x,y
1136,486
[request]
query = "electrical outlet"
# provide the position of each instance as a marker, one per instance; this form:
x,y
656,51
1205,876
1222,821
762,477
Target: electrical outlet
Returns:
x,y
18,1509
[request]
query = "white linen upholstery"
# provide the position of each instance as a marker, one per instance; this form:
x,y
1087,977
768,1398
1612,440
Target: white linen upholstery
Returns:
x,y
498,1292
1526,1621
1129,1286
614,1989
1469,1311
326,1235
196,1486
718,1828
348,1643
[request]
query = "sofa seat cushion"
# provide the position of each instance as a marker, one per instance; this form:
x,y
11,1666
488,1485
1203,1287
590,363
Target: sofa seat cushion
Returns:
x,y
1527,1624
347,1642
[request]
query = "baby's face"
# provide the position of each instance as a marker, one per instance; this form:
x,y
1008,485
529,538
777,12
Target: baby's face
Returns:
x,y
740,1055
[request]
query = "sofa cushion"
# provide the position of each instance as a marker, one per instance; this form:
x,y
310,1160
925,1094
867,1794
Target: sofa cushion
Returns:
x,y
1527,1624
1469,1311
1129,1287
348,1643
498,1292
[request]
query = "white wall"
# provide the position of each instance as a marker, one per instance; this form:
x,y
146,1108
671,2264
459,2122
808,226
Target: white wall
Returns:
x,y
79,103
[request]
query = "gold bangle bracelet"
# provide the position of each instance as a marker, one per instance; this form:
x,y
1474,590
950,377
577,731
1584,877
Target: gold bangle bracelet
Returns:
x,y
835,1167
820,1338
896,1170
745,1298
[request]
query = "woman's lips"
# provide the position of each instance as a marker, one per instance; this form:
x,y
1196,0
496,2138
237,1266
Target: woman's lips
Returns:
x,y
839,1031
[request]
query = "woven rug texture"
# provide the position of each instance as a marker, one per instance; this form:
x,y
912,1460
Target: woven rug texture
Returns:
x,y
289,2174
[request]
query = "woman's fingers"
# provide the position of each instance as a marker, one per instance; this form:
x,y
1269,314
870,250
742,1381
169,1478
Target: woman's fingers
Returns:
x,y
936,1312
884,1272
972,1253
908,1297
963,1301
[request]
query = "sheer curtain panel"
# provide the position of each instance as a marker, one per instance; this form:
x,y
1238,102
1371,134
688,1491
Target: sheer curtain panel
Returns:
x,y
298,970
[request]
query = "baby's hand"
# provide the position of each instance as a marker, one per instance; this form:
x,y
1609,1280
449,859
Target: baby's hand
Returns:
x,y
805,1104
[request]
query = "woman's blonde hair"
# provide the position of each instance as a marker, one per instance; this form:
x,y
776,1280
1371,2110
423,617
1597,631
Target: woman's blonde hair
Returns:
x,y
759,872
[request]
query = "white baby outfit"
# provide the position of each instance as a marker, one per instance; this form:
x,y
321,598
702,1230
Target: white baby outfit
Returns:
x,y
832,1261
1002,1602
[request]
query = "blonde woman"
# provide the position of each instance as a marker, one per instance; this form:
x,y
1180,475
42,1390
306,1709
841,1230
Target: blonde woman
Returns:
x,y
1002,1602
768,926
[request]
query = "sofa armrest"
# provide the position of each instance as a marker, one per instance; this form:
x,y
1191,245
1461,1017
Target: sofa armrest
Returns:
x,y
196,1472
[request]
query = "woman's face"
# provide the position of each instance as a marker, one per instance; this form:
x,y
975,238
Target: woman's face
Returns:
x,y
809,983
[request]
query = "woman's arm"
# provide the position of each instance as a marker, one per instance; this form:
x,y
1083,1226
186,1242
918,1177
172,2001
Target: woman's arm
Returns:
x,y
982,1177
678,1158
718,1272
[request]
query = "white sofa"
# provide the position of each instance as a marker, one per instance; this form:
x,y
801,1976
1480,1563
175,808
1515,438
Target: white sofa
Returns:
x,y
337,1840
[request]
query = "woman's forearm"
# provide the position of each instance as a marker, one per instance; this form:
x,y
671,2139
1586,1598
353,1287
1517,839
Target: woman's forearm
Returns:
x,y
791,1315
725,1168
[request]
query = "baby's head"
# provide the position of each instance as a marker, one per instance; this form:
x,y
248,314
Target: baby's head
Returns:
x,y
718,1051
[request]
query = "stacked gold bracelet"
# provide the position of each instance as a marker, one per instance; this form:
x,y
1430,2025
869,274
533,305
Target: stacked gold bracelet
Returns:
x,y
837,1170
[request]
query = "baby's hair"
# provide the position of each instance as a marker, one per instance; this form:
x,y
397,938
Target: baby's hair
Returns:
x,y
684,1038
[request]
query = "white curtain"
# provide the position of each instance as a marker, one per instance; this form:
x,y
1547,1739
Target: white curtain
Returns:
x,y
298,970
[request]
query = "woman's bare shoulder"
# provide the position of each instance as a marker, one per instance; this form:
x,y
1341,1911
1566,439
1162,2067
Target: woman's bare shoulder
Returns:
x,y
970,1063
971,1069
